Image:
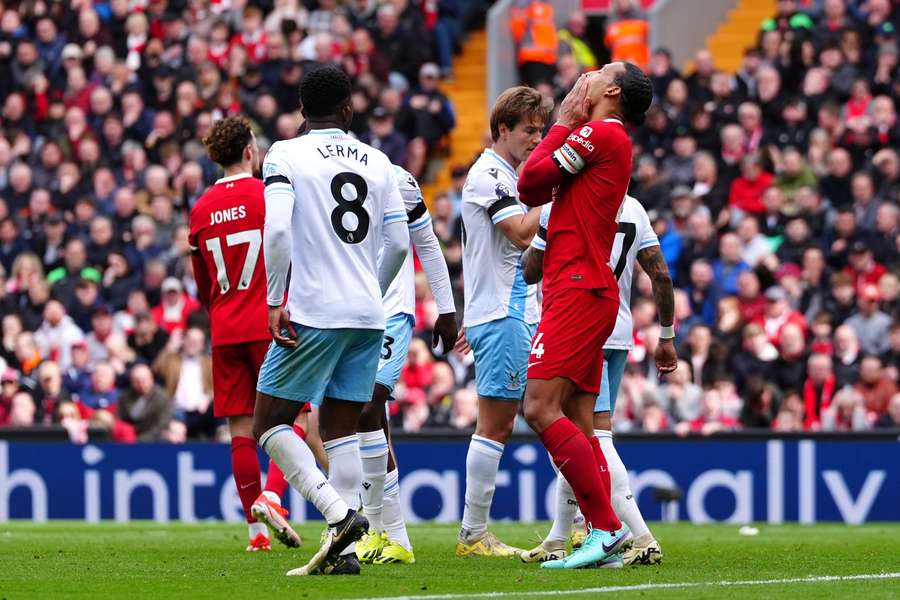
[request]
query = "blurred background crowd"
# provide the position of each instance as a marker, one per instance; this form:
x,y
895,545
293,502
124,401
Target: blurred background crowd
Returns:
x,y
774,193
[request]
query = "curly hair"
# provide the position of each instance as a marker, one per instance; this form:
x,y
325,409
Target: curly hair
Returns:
x,y
323,90
227,140
637,93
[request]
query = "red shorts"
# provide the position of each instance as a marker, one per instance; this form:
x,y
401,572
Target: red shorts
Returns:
x,y
569,341
235,369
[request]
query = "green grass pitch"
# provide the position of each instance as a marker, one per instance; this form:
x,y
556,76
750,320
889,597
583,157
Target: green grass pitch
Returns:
x,y
147,560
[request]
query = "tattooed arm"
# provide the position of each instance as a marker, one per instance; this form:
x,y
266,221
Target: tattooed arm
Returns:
x,y
653,263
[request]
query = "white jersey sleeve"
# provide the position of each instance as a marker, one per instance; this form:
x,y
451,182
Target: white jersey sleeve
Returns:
x,y
494,285
401,295
635,233
539,241
279,198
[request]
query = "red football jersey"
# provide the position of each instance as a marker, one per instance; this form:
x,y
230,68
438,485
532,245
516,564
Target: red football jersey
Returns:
x,y
226,240
596,161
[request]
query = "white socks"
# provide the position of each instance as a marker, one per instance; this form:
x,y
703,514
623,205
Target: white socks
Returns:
x,y
622,499
373,452
482,462
345,472
344,468
257,528
394,524
299,467
566,507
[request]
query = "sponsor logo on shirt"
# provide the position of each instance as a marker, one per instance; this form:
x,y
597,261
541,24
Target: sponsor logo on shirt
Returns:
x,y
586,131
584,142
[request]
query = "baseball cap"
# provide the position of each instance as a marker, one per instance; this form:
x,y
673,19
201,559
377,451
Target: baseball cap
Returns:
x,y
54,218
9,374
682,191
776,293
858,247
72,51
171,284
81,344
429,70
380,112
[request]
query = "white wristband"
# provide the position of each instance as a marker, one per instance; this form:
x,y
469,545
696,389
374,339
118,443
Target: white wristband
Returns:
x,y
666,332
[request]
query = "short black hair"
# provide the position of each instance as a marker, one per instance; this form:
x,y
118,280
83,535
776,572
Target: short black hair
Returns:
x,y
636,95
323,90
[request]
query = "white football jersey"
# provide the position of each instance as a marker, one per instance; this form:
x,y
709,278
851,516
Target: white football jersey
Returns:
x,y
401,295
345,191
494,286
635,233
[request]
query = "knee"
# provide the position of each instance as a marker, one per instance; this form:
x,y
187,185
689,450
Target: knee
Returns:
x,y
535,414
499,432
372,417
258,430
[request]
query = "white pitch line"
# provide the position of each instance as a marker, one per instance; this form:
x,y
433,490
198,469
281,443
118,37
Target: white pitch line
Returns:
x,y
644,587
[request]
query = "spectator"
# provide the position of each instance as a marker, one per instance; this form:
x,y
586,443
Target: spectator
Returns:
x,y
103,393
874,387
870,324
747,189
862,266
145,405
846,412
50,392
679,396
9,387
173,311
57,334
186,372
537,45
384,137
778,314
756,357
702,291
728,267
22,411
627,33
700,243
77,377
573,40
818,390
794,175
789,370
761,405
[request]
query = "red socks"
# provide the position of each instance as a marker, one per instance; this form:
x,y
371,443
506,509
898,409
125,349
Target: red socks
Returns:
x,y
601,464
245,466
275,481
573,455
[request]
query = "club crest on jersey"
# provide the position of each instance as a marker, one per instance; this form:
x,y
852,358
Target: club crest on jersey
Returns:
x,y
586,131
513,380
502,191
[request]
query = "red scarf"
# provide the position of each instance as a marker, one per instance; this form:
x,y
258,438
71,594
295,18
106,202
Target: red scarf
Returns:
x,y
809,400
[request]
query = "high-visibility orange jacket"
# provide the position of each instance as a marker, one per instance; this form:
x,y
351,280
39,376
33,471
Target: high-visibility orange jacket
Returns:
x,y
534,31
627,40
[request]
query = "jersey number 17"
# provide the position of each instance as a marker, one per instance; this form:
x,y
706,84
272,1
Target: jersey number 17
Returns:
x,y
253,239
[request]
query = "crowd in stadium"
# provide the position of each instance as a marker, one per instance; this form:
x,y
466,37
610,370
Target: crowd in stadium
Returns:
x,y
774,193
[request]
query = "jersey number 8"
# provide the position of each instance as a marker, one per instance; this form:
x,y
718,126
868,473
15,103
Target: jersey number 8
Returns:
x,y
355,206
